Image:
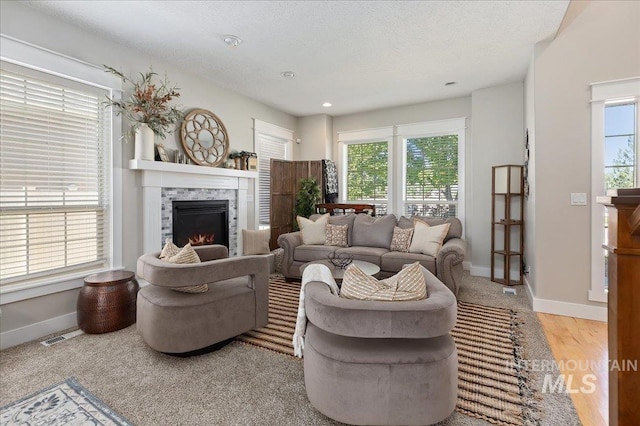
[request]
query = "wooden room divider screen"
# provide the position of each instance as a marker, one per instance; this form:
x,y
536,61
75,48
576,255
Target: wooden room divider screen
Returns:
x,y
285,183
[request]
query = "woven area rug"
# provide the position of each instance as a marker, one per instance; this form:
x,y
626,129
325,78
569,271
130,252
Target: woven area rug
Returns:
x,y
67,403
490,387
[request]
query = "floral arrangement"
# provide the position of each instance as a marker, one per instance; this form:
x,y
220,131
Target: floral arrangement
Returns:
x,y
148,102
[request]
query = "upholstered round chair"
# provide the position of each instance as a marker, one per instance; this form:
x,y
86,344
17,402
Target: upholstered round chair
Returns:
x,y
381,363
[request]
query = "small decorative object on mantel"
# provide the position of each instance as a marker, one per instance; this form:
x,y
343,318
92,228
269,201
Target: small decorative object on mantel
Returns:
x,y
148,108
162,153
204,138
341,260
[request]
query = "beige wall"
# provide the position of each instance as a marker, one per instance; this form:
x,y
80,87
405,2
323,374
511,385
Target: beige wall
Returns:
x,y
316,138
234,110
530,202
602,43
498,138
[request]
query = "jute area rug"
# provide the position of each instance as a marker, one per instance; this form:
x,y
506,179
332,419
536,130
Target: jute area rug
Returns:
x,y
490,387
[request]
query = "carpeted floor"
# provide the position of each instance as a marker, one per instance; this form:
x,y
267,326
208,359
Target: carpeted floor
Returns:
x,y
238,385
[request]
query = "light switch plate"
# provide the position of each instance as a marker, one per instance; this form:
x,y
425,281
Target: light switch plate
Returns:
x,y
578,199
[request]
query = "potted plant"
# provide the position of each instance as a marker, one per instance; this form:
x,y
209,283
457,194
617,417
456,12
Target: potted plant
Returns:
x,y
306,199
148,108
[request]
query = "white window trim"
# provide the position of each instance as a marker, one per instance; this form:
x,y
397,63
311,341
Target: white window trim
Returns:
x,y
602,94
453,126
396,136
44,60
382,134
268,129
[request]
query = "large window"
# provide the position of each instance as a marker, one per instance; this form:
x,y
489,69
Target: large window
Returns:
x,y
426,179
615,154
54,176
367,174
431,176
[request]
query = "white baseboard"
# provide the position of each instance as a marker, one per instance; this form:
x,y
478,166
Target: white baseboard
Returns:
x,y
34,331
528,291
481,271
567,309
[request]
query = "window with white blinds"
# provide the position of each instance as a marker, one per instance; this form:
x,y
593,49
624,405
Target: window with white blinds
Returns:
x,y
55,166
367,174
268,147
431,176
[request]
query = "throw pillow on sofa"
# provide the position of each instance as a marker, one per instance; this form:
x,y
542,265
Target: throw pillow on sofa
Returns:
x,y
184,255
336,235
373,231
401,240
313,232
427,239
408,284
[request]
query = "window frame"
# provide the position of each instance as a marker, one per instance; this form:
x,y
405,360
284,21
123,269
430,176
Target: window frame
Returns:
x,y
604,94
43,60
454,126
273,132
384,134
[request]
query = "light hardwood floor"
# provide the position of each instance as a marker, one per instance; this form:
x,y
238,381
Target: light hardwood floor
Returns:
x,y
584,342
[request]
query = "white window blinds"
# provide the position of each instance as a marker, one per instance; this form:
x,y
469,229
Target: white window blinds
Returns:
x,y
431,176
268,147
54,175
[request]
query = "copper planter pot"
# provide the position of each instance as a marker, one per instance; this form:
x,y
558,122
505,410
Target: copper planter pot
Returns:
x,y
107,302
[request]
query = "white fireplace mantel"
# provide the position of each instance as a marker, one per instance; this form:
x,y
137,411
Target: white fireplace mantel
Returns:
x,y
157,175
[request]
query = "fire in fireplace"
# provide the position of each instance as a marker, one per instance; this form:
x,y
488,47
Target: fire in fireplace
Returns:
x,y
201,222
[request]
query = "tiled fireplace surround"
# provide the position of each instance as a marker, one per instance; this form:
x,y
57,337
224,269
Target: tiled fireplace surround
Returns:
x,y
163,183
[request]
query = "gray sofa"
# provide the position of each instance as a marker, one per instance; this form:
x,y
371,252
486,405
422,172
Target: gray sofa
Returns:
x,y
381,363
369,241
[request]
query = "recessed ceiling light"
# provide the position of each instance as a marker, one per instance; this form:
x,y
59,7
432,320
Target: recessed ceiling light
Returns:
x,y
288,74
233,41
326,104
450,83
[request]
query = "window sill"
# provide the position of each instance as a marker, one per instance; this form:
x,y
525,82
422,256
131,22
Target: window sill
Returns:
x,y
46,286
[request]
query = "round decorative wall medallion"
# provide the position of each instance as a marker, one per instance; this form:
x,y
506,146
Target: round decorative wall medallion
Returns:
x,y
204,138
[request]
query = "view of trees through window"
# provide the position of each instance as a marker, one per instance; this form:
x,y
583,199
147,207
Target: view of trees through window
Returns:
x,y
368,173
620,146
431,176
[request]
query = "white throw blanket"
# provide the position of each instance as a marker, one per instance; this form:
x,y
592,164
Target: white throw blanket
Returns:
x,y
311,273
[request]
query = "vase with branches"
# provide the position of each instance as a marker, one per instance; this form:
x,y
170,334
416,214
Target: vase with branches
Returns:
x,y
147,105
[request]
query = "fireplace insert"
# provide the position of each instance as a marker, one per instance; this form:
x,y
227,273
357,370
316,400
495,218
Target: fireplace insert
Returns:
x,y
201,222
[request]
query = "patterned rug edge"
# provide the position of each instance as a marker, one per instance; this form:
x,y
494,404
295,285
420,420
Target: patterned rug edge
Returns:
x,y
73,383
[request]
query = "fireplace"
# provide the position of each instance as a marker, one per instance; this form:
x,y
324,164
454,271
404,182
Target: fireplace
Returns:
x,y
201,222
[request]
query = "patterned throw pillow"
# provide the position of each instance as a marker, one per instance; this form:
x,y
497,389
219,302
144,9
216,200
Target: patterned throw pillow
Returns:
x,y
336,235
169,250
401,239
408,284
184,255
255,241
428,239
313,232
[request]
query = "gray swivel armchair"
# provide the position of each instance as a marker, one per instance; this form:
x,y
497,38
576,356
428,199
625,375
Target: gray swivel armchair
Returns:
x,y
381,363
184,324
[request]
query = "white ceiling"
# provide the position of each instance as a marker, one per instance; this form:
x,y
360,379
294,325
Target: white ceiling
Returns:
x,y
358,55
